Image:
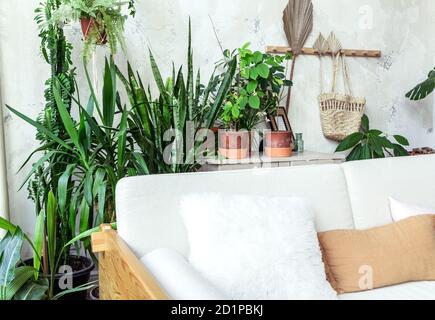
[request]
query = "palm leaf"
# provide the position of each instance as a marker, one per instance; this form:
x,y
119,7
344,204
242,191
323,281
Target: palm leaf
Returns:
x,y
298,23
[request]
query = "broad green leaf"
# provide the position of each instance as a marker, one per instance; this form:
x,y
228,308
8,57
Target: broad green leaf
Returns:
x,y
401,140
400,151
263,70
350,142
257,57
424,89
365,123
252,86
11,245
254,102
366,153
21,276
33,291
355,153
375,132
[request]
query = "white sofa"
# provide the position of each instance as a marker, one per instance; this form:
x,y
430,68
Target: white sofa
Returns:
x,y
349,196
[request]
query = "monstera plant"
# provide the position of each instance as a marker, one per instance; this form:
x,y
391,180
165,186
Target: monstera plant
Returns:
x,y
424,89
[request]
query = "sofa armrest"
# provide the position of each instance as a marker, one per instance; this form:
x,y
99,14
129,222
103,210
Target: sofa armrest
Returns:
x,y
122,275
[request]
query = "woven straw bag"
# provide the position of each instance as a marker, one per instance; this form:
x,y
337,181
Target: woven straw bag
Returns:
x,y
340,113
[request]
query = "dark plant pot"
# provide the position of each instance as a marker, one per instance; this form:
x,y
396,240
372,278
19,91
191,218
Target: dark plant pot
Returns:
x,y
82,268
278,144
94,293
87,25
234,144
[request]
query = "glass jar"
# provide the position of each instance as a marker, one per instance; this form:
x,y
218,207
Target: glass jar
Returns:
x,y
300,147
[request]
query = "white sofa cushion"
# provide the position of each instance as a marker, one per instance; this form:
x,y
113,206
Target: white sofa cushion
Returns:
x,y
148,207
177,278
401,210
256,247
371,183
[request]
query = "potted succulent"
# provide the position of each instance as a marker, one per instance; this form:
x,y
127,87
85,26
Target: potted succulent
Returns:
x,y
102,21
255,94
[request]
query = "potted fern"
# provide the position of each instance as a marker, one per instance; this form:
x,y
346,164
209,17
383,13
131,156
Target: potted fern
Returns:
x,y
102,22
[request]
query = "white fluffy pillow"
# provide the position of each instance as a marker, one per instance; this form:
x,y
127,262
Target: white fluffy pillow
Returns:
x,y
256,248
401,211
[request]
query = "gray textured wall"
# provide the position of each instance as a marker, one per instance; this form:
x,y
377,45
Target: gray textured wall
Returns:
x,y
402,29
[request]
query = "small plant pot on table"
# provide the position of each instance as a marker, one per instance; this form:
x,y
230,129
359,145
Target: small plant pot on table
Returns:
x,y
234,144
278,144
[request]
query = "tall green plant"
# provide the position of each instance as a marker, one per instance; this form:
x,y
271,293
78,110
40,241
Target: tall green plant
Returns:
x,y
184,107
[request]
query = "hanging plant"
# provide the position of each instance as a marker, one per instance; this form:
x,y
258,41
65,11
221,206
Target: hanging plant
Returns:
x,y
102,22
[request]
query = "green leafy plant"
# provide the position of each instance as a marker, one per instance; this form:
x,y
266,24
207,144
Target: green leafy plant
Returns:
x,y
22,282
372,144
424,89
256,88
99,155
106,21
184,106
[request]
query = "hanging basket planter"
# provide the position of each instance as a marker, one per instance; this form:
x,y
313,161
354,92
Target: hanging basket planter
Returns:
x,y
88,25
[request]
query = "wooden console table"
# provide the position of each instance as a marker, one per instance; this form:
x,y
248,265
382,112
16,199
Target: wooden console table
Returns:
x,y
260,161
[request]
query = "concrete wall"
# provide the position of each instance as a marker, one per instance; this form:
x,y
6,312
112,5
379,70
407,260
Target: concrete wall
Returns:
x,y
402,29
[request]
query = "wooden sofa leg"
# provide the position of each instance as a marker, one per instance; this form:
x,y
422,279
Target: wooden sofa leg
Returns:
x,y
122,275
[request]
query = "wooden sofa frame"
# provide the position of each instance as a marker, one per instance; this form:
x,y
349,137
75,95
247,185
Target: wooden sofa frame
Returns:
x,y
122,275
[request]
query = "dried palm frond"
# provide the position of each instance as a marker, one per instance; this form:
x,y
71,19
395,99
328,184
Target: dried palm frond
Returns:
x,y
320,45
334,45
298,24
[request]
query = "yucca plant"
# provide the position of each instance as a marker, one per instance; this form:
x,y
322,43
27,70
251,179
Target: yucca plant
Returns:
x,y
98,156
184,107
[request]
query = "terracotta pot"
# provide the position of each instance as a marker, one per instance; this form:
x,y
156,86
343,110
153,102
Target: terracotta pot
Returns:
x,y
234,144
278,144
87,25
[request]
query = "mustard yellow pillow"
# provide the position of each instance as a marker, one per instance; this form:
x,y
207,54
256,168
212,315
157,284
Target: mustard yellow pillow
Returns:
x,y
363,260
